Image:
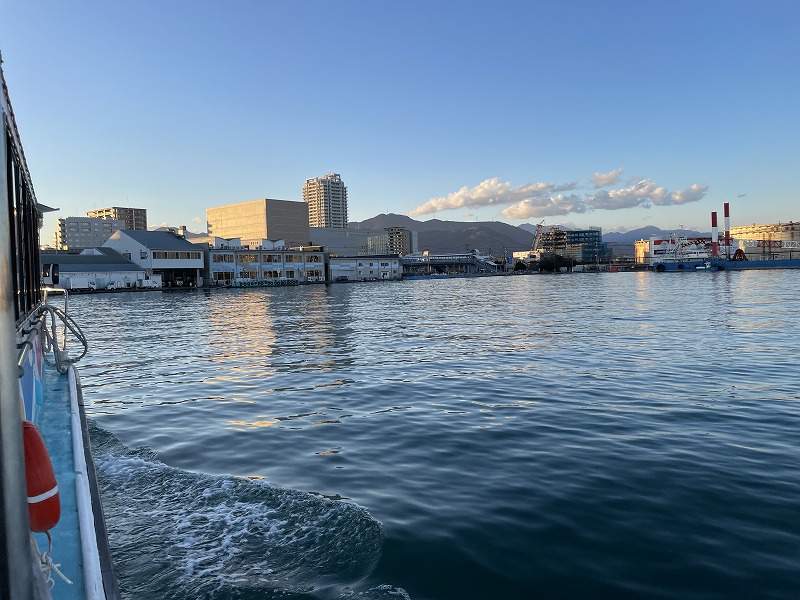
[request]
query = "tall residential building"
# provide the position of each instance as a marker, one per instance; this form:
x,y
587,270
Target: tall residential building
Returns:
x,y
134,218
327,201
400,240
77,233
265,219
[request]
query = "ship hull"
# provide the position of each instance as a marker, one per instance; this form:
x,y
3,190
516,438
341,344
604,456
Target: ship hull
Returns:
x,y
690,266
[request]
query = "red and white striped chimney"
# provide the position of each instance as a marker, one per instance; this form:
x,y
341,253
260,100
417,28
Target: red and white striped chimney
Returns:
x,y
727,213
714,235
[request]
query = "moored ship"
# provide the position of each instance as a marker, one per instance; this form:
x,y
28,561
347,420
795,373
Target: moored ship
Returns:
x,y
682,254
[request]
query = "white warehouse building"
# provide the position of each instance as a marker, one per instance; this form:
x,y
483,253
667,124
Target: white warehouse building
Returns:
x,y
164,253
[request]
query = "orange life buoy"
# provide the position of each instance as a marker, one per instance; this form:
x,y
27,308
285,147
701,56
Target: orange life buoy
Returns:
x,y
44,507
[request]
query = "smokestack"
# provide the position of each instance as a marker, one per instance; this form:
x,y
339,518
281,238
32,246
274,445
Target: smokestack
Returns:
x,y
714,235
727,213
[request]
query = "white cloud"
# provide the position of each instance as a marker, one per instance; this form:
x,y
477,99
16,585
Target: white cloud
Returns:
x,y
491,192
199,220
691,194
604,179
638,194
545,200
546,207
645,194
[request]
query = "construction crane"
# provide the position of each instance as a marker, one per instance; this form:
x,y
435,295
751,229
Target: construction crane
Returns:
x,y
537,239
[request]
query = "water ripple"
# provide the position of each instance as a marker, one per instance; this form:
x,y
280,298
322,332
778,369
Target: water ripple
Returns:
x,y
611,435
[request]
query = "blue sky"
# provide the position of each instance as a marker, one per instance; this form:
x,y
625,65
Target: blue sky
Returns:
x,y
612,114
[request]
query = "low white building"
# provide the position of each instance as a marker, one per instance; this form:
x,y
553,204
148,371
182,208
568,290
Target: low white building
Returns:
x,y
164,253
365,268
94,268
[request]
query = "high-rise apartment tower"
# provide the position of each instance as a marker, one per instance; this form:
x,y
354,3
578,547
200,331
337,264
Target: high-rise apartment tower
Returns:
x,y
327,201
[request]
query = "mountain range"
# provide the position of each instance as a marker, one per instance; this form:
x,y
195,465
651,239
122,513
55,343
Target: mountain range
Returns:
x,y
494,237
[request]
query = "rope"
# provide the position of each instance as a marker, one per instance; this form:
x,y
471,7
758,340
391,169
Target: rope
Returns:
x,y
47,565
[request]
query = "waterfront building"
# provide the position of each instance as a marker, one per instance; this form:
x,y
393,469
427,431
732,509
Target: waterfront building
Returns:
x,y
94,268
365,268
164,253
134,218
266,218
768,241
579,245
440,264
239,265
77,233
327,201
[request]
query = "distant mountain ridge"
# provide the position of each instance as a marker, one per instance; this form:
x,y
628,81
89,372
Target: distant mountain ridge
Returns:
x,y
644,233
498,237
455,236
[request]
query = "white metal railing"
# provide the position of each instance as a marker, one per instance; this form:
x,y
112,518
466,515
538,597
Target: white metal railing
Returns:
x,y
788,244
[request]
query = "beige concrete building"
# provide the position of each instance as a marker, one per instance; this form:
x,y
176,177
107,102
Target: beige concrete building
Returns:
x,y
261,219
327,201
770,241
134,218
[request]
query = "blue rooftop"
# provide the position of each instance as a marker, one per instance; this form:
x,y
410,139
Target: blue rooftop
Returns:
x,y
159,240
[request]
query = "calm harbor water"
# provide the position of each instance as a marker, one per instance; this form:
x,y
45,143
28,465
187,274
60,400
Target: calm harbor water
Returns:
x,y
620,435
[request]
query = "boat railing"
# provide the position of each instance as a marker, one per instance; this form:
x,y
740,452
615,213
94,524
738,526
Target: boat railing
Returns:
x,y
54,318
45,321
25,345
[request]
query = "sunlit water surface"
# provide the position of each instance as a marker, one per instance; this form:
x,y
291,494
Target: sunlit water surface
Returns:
x,y
612,435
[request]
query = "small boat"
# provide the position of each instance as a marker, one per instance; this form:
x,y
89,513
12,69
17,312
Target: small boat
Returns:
x,y
53,541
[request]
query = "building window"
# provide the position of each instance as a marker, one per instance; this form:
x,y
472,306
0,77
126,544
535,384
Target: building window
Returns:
x,y
143,254
127,255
